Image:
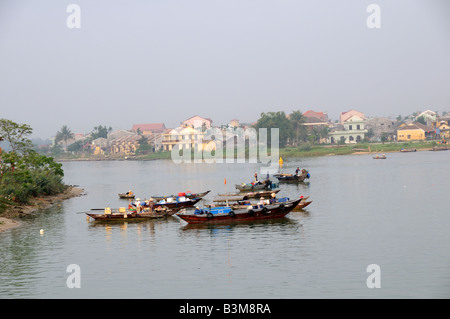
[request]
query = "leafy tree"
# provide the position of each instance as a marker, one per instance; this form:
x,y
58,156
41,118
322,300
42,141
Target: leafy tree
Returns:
x,y
276,120
297,119
101,131
64,134
421,119
16,135
23,172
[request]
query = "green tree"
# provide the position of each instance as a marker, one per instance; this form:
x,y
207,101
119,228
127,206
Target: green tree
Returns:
x,y
23,172
276,120
16,135
64,134
101,131
297,119
421,119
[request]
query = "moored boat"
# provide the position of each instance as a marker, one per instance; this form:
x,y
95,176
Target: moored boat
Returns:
x,y
439,148
228,214
255,186
123,214
405,150
380,157
186,194
246,195
173,203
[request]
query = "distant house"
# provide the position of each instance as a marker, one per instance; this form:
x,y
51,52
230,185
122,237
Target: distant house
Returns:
x,y
125,144
415,132
442,126
150,128
317,115
352,131
234,123
344,116
381,126
197,122
185,137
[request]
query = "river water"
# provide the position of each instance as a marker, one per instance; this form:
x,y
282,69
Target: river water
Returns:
x,y
393,213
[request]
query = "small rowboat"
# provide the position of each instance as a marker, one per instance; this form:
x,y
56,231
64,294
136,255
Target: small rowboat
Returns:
x,y
228,214
404,150
380,157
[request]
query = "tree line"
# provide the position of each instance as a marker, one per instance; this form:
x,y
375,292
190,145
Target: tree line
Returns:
x,y
292,131
24,173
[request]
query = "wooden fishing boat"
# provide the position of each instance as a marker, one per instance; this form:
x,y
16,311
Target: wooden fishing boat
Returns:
x,y
291,178
187,195
439,148
380,157
246,195
176,204
111,215
255,186
228,214
302,204
126,196
405,150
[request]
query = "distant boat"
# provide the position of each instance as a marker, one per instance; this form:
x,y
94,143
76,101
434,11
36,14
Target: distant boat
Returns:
x,y
439,148
380,157
126,195
408,150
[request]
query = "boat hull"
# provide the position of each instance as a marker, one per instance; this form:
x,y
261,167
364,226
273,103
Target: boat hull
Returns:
x,y
130,216
291,178
199,195
179,205
278,210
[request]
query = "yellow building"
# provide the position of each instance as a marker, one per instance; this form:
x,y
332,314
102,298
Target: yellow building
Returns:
x,y
414,132
185,137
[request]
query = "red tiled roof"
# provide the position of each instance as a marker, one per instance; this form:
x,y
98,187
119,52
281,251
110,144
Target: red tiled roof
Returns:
x,y
153,127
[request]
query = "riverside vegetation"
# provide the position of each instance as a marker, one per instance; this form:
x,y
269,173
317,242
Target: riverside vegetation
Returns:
x,y
25,174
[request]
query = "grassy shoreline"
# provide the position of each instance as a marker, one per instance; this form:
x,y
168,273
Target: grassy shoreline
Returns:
x,y
286,152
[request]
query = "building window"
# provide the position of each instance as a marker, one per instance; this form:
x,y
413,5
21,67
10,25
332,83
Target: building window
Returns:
x,y
358,127
349,127
350,138
409,136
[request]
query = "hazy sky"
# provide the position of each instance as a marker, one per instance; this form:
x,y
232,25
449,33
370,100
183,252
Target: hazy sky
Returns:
x,y
144,61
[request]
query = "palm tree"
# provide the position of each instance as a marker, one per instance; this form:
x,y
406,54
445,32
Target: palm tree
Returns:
x,y
64,134
297,119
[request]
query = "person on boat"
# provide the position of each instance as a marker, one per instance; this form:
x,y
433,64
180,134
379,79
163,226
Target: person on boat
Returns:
x,y
273,198
151,204
256,176
138,205
297,170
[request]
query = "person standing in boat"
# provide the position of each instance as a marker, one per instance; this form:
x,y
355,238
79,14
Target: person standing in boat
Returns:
x,y
256,177
297,171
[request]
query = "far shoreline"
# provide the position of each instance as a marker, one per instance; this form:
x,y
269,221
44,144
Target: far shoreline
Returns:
x,y
287,152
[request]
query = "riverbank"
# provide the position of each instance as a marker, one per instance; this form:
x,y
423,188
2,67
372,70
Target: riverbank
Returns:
x,y
10,217
305,150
